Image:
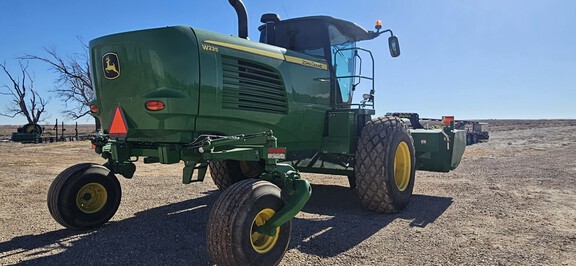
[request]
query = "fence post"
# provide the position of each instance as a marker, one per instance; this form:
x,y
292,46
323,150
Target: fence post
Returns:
x,y
56,127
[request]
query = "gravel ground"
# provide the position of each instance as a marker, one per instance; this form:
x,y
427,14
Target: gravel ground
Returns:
x,y
512,201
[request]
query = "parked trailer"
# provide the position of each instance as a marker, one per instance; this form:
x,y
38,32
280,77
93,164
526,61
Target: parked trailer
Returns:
x,y
475,131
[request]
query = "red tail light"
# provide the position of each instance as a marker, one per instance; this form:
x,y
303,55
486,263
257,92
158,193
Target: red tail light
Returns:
x,y
94,108
155,105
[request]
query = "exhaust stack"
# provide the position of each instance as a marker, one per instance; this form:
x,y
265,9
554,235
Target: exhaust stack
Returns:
x,y
242,18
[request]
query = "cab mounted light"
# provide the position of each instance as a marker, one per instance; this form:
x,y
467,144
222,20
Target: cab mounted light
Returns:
x,y
378,25
154,105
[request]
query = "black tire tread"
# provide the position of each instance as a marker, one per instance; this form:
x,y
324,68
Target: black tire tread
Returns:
x,y
371,156
68,175
220,173
225,173
220,221
56,187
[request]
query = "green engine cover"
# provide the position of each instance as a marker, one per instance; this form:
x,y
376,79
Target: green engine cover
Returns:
x,y
209,83
130,69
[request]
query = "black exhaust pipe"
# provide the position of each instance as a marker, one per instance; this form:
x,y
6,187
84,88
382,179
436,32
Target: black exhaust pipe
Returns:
x,y
242,18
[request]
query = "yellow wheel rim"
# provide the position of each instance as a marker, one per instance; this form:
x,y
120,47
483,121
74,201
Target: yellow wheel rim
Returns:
x,y
91,198
260,242
402,164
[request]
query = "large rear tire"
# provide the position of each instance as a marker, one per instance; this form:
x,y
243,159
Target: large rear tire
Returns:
x,y
230,232
385,165
227,172
84,196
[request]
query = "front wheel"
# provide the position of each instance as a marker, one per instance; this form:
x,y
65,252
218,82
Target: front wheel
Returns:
x,y
385,165
230,232
84,196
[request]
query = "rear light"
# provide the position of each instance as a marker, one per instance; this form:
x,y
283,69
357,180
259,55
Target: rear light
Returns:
x,y
94,108
277,153
155,105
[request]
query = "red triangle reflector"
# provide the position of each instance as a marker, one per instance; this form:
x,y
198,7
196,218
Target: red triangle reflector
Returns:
x,y
118,127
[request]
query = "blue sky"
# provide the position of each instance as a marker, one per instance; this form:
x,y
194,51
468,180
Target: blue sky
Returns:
x,y
474,59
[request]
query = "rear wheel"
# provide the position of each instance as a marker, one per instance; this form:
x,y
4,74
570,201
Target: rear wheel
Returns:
x,y
227,172
385,165
84,196
231,235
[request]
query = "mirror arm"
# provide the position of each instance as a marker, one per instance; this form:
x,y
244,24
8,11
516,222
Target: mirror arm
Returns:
x,y
377,33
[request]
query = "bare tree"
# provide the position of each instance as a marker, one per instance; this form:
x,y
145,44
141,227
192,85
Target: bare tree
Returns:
x,y
25,99
74,83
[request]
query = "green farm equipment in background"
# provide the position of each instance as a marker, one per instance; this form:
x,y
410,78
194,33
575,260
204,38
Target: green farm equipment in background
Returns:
x,y
256,114
29,133
476,131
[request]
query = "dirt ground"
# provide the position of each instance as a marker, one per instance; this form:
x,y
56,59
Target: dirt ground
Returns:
x,y
512,201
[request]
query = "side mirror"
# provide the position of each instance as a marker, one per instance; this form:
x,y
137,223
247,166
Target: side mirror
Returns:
x,y
394,46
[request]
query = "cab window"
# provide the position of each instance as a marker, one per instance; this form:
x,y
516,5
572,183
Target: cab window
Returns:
x,y
344,65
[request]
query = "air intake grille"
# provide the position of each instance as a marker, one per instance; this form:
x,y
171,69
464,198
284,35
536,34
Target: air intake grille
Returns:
x,y
250,86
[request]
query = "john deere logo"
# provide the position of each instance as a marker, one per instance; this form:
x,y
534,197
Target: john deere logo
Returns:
x,y
111,65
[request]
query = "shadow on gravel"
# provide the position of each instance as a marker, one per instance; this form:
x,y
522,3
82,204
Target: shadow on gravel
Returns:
x,y
351,224
175,234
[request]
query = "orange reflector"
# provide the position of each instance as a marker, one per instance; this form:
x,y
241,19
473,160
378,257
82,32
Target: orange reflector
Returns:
x,y
94,108
446,120
118,127
155,105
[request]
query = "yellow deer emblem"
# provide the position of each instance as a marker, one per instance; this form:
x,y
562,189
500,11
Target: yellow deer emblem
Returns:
x,y
111,68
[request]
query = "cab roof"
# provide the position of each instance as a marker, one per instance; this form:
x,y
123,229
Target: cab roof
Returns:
x,y
351,30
